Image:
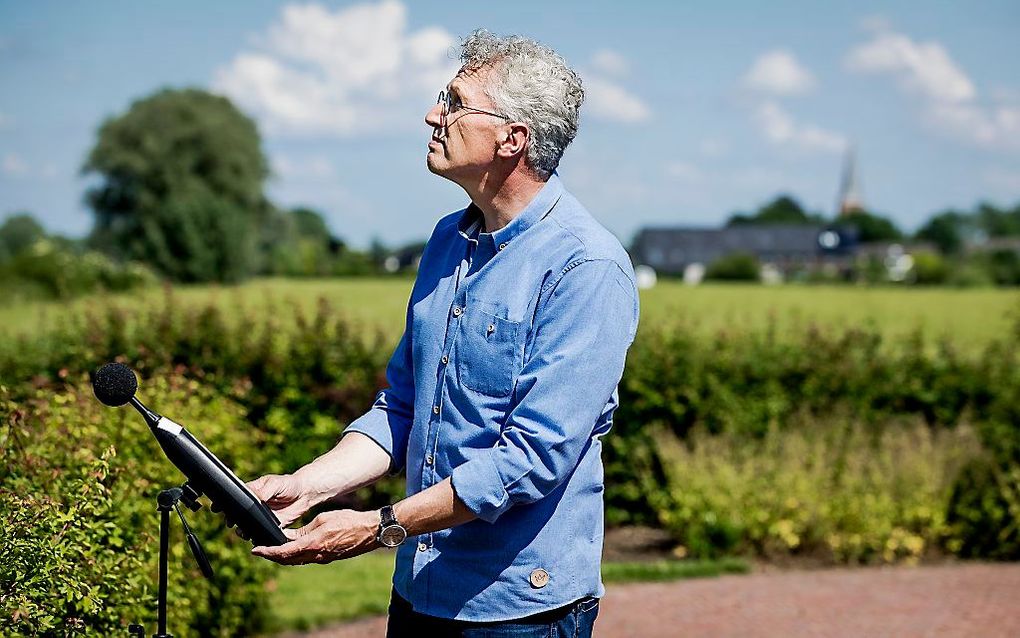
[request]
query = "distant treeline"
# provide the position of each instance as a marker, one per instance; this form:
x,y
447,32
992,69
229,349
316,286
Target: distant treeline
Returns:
x,y
962,248
180,195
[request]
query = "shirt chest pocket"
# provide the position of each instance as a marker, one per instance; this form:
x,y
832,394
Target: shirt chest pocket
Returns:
x,y
487,353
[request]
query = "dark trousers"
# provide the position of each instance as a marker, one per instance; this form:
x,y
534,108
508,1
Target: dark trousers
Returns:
x,y
575,620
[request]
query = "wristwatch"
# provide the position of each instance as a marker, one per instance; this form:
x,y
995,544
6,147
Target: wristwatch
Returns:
x,y
391,533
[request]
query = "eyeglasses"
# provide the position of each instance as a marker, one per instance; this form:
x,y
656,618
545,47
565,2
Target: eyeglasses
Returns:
x,y
452,105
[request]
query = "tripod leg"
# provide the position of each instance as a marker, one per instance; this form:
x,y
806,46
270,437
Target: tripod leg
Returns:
x,y
164,550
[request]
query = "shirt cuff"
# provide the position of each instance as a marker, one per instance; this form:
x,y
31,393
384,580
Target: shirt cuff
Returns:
x,y
375,424
477,483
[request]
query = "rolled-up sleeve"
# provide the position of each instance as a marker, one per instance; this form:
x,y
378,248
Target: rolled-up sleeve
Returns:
x,y
389,420
574,364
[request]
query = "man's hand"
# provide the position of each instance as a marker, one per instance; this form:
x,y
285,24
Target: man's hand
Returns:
x,y
330,536
284,494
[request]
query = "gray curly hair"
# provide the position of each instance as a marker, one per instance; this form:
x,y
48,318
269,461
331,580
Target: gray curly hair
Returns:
x,y
529,83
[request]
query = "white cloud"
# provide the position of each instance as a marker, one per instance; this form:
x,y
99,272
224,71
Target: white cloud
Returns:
x,y
950,103
780,128
923,67
684,171
315,167
14,165
347,72
609,101
778,73
988,127
609,62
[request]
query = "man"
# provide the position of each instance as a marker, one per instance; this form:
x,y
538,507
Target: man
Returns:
x,y
503,383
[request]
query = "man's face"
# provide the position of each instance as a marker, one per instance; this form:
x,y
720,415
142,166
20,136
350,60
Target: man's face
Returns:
x,y
466,148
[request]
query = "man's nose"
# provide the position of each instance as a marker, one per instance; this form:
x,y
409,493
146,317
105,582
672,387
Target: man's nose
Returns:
x,y
434,117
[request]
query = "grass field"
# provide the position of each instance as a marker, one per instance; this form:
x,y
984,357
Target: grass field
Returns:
x,y
968,316
313,595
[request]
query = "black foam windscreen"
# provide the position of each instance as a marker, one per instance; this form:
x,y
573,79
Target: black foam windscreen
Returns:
x,y
114,384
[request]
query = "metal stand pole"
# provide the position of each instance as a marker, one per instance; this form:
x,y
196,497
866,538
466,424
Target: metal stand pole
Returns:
x,y
164,551
165,503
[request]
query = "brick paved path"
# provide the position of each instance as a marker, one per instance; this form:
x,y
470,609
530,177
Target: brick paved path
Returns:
x,y
952,600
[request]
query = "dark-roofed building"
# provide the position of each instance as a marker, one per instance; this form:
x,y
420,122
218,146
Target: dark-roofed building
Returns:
x,y
785,246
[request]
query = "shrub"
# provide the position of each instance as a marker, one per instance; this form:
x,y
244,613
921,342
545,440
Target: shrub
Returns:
x,y
298,386
930,268
78,526
838,491
45,270
735,267
984,509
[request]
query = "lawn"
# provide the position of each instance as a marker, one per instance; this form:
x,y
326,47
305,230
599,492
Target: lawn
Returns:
x,y
314,595
970,317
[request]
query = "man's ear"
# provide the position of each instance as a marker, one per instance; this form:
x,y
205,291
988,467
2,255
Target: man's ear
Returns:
x,y
514,140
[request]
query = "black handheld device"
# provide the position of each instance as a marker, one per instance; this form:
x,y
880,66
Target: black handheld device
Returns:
x,y
114,385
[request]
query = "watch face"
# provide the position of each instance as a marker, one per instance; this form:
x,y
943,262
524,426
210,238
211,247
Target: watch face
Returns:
x,y
393,535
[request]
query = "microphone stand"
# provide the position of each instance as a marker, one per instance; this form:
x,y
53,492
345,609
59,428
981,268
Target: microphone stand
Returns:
x,y
167,501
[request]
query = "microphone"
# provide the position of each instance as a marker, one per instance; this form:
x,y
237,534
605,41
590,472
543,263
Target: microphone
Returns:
x,y
115,384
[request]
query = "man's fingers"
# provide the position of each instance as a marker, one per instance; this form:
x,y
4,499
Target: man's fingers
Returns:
x,y
301,532
317,522
297,552
260,489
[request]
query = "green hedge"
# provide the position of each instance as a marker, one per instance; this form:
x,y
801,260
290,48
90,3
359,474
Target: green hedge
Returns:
x,y
49,270
836,444
747,384
835,491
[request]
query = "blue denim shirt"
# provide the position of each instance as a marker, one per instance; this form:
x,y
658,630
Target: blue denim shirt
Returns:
x,y
505,379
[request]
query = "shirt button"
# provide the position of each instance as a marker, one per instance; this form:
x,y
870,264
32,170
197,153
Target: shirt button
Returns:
x,y
456,311
502,246
422,547
539,578
446,359
428,459
435,409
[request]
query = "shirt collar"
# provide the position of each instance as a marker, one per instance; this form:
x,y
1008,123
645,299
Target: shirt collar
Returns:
x,y
470,223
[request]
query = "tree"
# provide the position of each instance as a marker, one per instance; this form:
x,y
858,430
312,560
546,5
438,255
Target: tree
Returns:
x,y
943,230
996,222
19,232
782,210
298,244
182,186
196,236
310,224
1004,267
871,227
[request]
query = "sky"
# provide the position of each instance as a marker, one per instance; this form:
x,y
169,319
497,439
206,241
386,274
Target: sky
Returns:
x,y
693,111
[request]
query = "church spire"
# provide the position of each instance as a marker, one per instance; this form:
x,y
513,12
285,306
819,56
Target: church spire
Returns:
x,y
850,198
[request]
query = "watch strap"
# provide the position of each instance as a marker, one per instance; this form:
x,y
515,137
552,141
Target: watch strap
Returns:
x,y
386,516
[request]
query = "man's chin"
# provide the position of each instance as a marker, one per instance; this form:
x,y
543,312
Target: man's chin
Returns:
x,y
432,162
